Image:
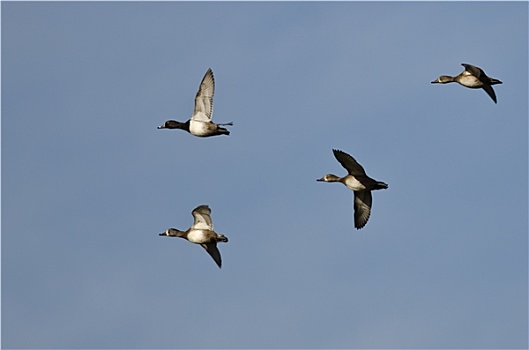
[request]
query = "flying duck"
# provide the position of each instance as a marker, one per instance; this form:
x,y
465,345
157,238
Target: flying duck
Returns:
x,y
358,181
201,233
200,123
472,77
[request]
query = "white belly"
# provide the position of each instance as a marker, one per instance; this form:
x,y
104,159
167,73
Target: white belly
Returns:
x,y
197,236
354,184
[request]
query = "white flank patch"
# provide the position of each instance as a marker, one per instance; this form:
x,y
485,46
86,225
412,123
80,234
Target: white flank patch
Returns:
x,y
196,236
198,128
354,184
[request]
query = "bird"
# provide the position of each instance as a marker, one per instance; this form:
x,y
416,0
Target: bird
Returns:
x,y
200,123
472,77
201,233
358,181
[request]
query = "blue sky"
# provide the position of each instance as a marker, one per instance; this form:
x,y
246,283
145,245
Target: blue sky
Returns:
x,y
88,181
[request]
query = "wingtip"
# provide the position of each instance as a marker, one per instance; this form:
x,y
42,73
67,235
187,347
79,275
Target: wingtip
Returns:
x,y
358,227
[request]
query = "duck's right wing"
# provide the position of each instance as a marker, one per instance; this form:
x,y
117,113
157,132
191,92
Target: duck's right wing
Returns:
x,y
488,89
362,208
202,215
204,98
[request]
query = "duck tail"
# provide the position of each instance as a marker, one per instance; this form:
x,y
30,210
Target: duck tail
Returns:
x,y
222,131
221,238
495,81
381,185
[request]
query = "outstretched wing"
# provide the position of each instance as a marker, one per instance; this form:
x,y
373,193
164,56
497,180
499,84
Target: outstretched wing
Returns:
x,y
488,89
362,208
204,98
202,218
475,71
349,163
212,250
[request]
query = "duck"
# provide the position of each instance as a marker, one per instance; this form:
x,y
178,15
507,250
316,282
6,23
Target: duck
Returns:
x,y
358,181
472,77
201,233
200,123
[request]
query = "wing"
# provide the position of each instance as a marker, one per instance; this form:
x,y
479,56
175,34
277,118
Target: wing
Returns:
x,y
212,250
362,208
348,162
202,218
488,89
475,71
204,98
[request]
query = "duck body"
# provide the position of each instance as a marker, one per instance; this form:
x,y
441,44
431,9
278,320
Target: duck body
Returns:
x,y
200,124
201,233
196,236
197,128
361,185
468,80
472,77
205,236
207,128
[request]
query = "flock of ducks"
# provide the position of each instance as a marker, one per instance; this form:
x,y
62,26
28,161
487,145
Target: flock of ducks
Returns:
x,y
200,124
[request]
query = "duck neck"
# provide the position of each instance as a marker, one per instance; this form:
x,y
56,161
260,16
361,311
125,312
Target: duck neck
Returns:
x,y
173,232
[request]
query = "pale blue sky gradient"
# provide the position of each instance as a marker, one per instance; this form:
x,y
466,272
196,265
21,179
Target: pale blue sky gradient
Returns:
x,y
88,181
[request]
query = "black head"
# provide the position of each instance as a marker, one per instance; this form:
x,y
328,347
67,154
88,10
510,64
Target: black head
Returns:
x,y
173,124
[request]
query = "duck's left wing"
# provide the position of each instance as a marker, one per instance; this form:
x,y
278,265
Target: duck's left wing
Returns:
x,y
204,98
348,162
213,251
202,215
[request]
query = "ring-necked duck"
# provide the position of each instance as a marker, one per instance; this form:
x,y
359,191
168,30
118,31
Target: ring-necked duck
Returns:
x,y
358,181
472,77
201,233
200,123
